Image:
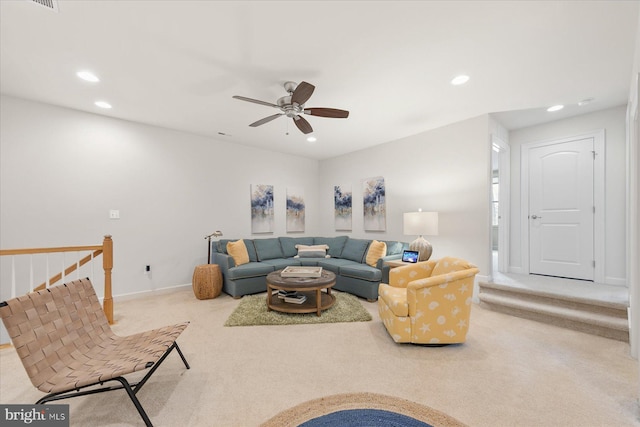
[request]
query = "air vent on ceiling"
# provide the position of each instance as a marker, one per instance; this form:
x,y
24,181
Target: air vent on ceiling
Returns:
x,y
49,4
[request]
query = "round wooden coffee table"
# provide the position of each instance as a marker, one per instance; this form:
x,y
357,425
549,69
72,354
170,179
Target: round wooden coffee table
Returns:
x,y
310,287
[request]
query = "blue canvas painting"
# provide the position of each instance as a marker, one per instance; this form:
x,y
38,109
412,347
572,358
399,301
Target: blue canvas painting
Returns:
x,y
342,207
295,210
261,208
375,213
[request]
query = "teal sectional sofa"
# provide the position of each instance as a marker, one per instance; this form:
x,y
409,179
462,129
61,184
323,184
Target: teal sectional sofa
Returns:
x,y
346,258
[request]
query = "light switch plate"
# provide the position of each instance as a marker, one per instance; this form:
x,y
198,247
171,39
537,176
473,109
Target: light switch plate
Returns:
x,y
114,214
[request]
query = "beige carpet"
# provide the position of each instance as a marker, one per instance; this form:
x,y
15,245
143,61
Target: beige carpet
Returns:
x,y
510,372
252,310
308,410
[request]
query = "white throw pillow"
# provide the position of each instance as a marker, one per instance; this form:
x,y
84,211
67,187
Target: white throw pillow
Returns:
x,y
312,251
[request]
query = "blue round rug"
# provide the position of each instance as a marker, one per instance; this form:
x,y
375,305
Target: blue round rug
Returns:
x,y
361,410
364,418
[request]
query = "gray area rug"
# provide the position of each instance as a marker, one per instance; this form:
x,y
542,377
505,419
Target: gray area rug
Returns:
x,y
252,310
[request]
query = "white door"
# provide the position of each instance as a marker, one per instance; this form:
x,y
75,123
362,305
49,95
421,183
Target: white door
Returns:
x,y
561,209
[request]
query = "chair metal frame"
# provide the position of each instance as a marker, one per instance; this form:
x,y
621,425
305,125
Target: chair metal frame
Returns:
x,y
59,331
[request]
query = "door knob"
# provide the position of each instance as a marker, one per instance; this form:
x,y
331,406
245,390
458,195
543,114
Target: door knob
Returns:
x,y
536,217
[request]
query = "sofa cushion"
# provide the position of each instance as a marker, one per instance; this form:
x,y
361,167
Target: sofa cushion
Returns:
x,y
395,247
252,269
268,249
395,299
280,263
336,244
310,262
288,244
333,264
221,245
361,271
312,251
449,265
376,251
238,251
355,249
251,250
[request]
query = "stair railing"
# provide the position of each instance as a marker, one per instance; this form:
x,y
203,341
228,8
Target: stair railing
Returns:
x,y
106,250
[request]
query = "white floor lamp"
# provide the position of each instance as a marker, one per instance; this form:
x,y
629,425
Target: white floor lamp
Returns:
x,y
421,223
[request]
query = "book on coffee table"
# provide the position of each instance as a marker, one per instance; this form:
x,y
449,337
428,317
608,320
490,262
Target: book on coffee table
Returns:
x,y
296,299
285,294
296,271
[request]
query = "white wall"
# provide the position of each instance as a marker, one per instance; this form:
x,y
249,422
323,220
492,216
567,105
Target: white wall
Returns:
x,y
633,195
613,122
62,170
445,170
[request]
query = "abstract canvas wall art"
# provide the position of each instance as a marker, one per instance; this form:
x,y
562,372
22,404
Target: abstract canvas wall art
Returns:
x,y
375,213
261,208
295,210
342,207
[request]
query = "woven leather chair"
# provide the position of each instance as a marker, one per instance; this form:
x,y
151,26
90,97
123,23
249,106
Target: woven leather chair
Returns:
x,y
67,347
428,302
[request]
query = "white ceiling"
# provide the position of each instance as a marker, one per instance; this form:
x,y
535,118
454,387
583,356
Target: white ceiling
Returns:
x,y
177,64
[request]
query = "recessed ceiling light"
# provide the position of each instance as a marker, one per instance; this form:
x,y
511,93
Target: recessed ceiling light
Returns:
x,y
460,80
555,108
103,104
312,139
88,76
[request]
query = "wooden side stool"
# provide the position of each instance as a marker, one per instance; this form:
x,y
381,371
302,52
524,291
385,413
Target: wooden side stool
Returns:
x,y
207,281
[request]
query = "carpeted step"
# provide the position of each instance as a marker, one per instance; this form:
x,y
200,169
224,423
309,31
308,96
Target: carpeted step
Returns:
x,y
595,317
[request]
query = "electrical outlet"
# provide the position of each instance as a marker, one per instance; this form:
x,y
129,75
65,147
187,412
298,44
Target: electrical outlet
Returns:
x,y
147,269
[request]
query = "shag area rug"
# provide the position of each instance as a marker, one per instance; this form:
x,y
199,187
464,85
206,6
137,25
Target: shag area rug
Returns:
x,y
252,310
354,409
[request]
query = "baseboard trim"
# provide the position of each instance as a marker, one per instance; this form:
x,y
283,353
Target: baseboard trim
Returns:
x,y
141,294
615,281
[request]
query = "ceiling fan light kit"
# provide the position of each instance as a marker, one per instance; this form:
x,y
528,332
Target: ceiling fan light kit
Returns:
x,y
292,106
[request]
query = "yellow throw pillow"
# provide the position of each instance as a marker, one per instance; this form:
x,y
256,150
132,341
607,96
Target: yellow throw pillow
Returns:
x,y
238,251
376,251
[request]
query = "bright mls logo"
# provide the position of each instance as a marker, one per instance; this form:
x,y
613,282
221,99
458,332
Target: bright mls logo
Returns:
x,y
34,415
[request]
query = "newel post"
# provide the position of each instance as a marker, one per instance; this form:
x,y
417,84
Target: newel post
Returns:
x,y
107,264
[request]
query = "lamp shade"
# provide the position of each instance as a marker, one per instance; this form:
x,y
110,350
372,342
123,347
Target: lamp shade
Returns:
x,y
421,223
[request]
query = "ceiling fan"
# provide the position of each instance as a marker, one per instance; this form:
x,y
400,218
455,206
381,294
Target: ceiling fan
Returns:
x,y
292,106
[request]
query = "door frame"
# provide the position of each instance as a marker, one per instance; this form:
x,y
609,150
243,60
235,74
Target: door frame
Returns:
x,y
598,198
504,204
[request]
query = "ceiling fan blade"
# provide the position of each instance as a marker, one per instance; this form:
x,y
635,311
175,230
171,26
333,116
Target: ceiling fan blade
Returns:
x,y
327,112
302,93
265,120
302,124
255,101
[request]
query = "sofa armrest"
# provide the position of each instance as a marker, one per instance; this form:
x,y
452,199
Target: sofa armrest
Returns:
x,y
224,261
382,260
382,266
443,289
427,282
400,277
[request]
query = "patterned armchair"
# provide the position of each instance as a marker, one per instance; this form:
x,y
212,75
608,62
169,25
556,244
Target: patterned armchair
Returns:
x,y
428,302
